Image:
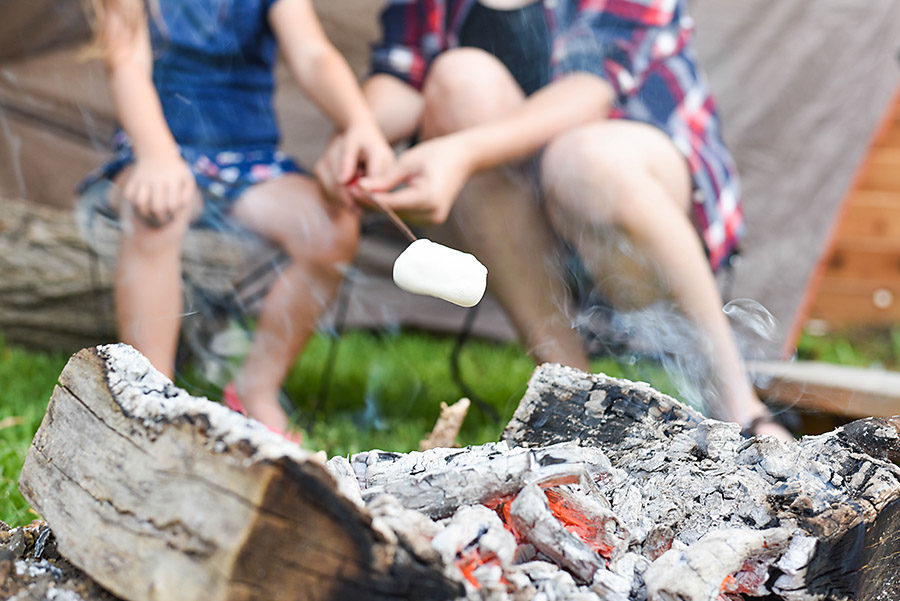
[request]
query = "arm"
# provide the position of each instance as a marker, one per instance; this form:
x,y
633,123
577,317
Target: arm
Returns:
x,y
160,183
436,170
396,105
570,101
326,78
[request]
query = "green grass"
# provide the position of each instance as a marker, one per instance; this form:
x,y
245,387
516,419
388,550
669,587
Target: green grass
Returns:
x,y
384,392
860,347
26,382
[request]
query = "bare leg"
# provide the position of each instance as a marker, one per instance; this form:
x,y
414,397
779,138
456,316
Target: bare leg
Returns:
x,y
496,217
147,286
629,177
321,240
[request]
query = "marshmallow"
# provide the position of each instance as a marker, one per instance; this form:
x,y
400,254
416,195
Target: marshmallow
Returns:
x,y
426,267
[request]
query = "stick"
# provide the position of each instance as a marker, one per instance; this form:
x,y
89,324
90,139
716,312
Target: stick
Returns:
x,y
393,217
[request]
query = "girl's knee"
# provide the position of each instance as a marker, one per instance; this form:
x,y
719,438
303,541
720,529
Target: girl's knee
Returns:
x,y
145,238
467,86
587,177
332,247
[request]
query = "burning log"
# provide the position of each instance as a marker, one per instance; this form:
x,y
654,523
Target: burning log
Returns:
x,y
696,476
161,496
439,481
601,490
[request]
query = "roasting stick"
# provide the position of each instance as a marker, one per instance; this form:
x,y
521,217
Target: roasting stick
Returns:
x,y
432,269
395,219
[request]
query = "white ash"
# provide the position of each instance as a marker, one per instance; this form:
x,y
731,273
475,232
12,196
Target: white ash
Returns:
x,y
440,480
340,469
475,525
532,517
33,569
413,529
791,585
157,401
697,573
61,594
610,586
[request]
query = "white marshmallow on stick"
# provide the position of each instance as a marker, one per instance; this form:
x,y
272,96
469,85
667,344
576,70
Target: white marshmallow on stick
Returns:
x,y
432,269
429,268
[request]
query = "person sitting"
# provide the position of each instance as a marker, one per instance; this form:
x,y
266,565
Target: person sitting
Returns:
x,y
192,82
547,126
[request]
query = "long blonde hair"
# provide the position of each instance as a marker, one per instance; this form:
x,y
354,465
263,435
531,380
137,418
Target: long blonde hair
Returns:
x,y
131,13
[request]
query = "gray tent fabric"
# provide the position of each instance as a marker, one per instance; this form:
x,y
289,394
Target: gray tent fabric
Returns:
x,y
801,85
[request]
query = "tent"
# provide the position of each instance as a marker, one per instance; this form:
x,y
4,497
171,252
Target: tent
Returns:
x,y
802,85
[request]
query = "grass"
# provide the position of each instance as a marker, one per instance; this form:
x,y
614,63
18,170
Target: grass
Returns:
x,y
26,382
384,392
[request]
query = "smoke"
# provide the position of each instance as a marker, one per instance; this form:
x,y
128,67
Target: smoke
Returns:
x,y
660,332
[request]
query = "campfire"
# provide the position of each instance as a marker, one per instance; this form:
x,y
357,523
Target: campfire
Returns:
x,y
600,489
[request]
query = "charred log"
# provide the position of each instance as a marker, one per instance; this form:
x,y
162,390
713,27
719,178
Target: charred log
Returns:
x,y
159,495
697,475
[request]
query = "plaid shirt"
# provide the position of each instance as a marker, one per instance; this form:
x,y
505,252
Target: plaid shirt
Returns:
x,y
641,47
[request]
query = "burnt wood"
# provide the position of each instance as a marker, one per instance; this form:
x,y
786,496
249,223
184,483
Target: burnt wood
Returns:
x,y
161,496
840,488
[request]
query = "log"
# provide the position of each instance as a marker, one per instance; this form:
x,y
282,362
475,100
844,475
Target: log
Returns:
x,y
836,389
694,476
158,495
57,272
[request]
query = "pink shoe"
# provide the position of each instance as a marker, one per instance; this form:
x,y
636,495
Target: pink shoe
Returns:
x,y
231,400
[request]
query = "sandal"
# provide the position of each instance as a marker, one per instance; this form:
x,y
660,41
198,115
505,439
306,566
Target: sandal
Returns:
x,y
765,419
233,402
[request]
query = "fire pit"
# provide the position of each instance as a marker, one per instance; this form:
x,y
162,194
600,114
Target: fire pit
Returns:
x,y
600,489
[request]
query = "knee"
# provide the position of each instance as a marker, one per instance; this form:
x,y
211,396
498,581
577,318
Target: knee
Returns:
x,y
589,179
146,239
465,87
329,249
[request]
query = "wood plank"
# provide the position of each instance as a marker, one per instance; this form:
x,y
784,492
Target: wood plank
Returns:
x,y
843,302
837,389
864,260
872,215
882,171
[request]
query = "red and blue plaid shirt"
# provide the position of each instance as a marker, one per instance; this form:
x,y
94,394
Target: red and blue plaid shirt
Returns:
x,y
641,47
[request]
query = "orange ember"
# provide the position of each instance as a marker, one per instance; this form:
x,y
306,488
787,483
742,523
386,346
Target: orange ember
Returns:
x,y
470,560
577,523
747,580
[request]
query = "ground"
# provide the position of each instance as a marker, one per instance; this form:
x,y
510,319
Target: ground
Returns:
x,y
32,570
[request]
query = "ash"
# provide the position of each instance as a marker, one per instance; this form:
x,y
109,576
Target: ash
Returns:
x,y
647,501
32,570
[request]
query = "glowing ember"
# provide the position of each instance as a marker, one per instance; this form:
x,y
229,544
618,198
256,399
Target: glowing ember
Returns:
x,y
469,560
579,524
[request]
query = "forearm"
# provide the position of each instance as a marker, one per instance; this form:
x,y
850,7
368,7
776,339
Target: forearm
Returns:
x,y
140,111
571,101
396,106
326,78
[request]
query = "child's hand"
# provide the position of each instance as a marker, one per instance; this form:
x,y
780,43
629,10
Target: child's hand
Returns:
x,y
360,150
434,173
160,187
